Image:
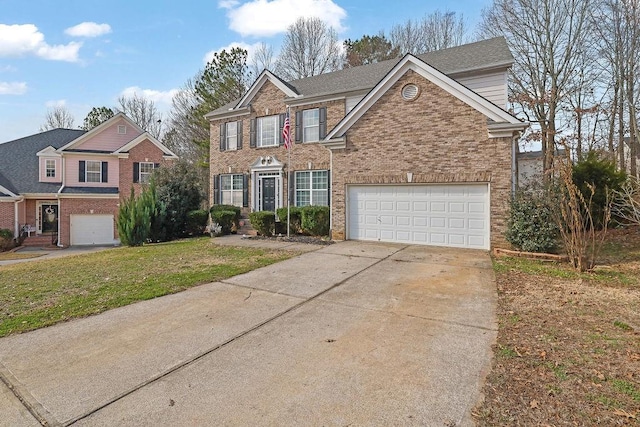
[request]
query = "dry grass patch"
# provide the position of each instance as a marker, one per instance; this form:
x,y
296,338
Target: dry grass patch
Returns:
x,y
568,350
41,293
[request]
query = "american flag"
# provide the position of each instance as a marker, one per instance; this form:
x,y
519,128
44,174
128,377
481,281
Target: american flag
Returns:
x,y
286,132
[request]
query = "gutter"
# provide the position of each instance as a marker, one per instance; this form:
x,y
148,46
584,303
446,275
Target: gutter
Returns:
x,y
62,162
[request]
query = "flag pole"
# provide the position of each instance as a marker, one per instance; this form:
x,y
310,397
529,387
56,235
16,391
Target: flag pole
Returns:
x,y
289,176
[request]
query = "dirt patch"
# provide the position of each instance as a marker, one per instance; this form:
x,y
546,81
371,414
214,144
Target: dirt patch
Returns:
x,y
296,239
568,347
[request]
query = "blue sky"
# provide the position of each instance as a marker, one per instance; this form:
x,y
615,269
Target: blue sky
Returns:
x,y
84,53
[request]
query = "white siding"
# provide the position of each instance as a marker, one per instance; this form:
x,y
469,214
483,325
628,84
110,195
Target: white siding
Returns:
x,y
492,86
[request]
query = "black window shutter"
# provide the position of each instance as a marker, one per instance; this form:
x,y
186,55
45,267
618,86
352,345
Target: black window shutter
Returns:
x,y
239,134
292,189
323,122
223,136
252,133
245,190
156,165
136,172
298,127
81,171
280,137
216,189
105,172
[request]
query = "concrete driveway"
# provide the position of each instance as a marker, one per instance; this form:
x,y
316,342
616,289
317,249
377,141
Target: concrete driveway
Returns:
x,y
350,334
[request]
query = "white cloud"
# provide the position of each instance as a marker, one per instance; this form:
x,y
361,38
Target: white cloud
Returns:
x,y
13,88
262,18
88,29
20,40
157,96
56,103
250,48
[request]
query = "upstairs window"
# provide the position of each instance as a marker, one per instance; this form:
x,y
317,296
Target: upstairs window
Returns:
x,y
143,171
93,172
122,129
267,131
50,168
231,136
311,124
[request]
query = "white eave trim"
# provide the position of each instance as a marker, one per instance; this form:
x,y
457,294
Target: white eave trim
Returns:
x,y
265,76
6,191
505,130
139,139
410,62
232,112
48,152
335,143
87,196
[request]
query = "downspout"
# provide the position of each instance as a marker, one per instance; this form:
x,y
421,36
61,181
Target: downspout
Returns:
x,y
331,198
514,164
58,197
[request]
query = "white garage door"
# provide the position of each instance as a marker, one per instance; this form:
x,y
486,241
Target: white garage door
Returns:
x,y
92,230
442,215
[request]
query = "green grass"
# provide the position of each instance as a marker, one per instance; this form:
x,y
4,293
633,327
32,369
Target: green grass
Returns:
x,y
627,388
42,293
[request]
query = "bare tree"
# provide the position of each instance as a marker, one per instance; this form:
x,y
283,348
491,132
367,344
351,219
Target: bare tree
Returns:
x,y
183,130
143,112
310,47
545,37
438,30
263,59
57,117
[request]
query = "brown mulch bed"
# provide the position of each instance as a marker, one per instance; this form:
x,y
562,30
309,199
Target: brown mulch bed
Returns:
x,y
296,239
568,347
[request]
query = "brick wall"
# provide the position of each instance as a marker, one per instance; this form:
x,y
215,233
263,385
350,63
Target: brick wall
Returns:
x,y
436,137
270,101
143,152
69,207
7,215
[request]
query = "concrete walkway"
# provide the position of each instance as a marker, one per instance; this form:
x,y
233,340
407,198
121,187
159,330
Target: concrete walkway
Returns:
x,y
348,334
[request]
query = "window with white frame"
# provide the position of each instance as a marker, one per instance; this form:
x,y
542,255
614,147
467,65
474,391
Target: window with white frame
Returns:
x,y
146,170
231,136
231,189
312,188
93,171
311,125
122,129
50,168
267,131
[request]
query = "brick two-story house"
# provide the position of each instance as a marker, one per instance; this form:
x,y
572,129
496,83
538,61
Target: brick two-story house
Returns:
x,y
418,149
68,183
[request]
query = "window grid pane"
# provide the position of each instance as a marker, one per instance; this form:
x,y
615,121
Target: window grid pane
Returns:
x,y
267,131
93,171
231,189
311,125
312,188
232,136
50,167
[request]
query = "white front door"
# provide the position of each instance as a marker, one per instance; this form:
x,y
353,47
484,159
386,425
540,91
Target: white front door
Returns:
x,y
454,215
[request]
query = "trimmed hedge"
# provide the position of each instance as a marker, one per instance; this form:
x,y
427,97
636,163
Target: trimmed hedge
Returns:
x,y
315,220
295,218
6,239
236,216
264,222
197,221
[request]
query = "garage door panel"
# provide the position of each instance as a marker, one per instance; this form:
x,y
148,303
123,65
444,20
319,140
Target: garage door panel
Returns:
x,y
443,214
92,229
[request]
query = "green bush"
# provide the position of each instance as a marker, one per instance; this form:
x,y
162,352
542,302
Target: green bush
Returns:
x,y
315,220
6,239
603,176
531,226
264,222
134,217
235,209
224,219
295,218
197,221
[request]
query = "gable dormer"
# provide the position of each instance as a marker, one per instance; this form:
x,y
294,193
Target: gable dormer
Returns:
x,y
50,165
107,137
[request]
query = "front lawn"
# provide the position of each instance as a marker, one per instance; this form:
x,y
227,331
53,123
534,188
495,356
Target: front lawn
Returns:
x,y
42,293
568,348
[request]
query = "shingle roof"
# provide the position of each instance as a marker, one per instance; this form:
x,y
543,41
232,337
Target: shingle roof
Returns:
x,y
485,54
19,166
90,190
